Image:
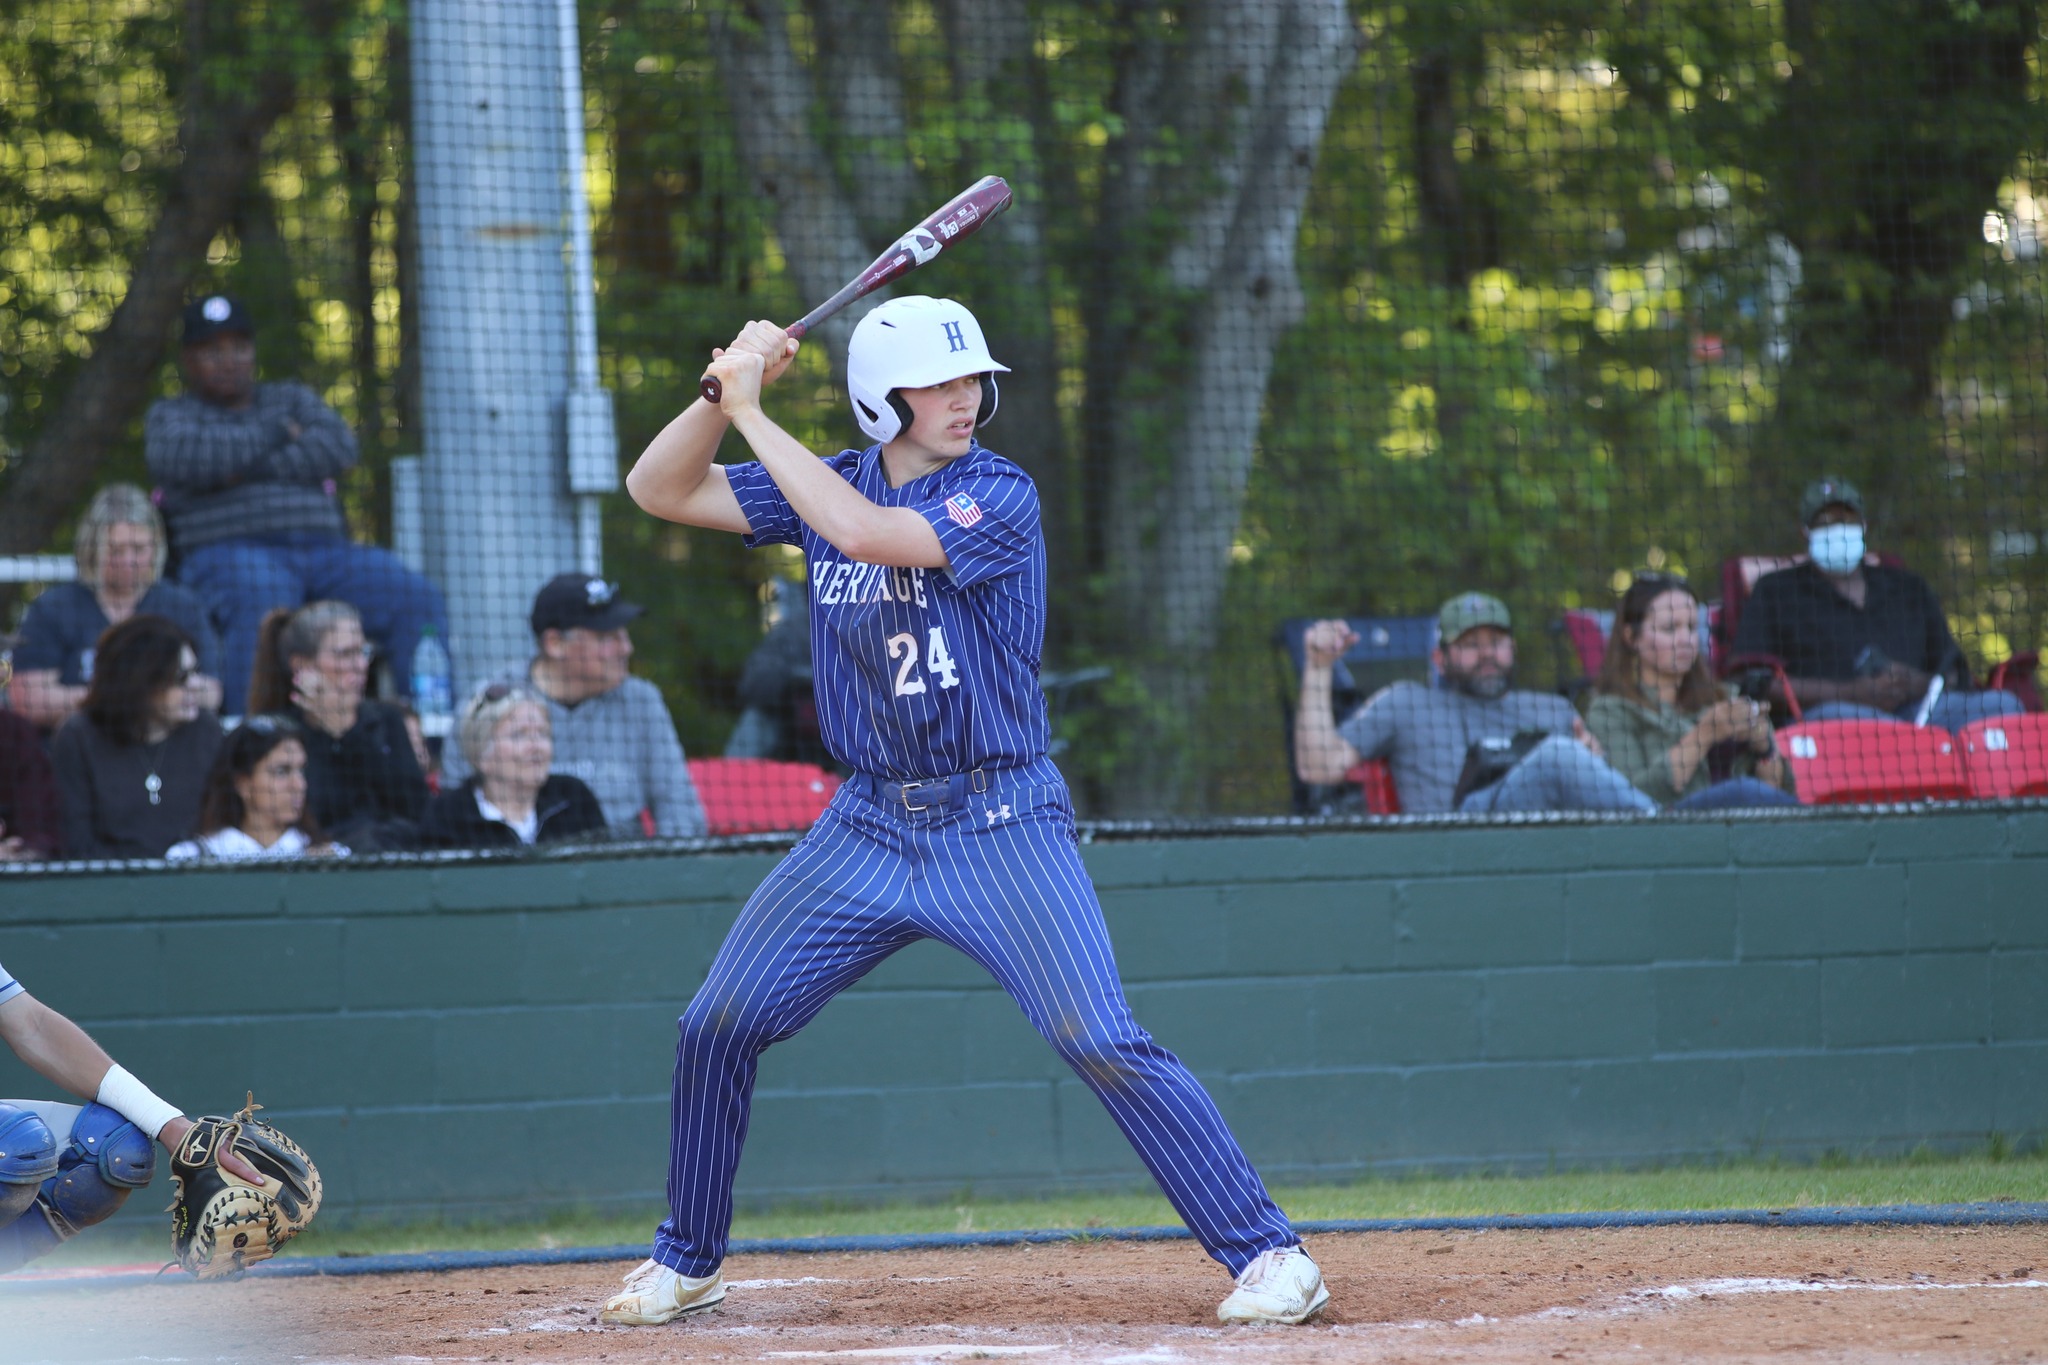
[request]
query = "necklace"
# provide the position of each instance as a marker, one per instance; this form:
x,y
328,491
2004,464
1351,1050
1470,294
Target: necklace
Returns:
x,y
153,784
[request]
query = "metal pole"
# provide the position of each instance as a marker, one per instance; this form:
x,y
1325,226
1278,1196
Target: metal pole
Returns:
x,y
504,374
593,440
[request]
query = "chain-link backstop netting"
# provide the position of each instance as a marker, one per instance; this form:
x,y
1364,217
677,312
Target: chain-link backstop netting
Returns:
x,y
1648,399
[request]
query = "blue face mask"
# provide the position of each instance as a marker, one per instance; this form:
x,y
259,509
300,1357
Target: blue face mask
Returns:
x,y
1836,549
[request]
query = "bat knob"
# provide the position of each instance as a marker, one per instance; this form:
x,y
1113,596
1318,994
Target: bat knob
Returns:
x,y
710,388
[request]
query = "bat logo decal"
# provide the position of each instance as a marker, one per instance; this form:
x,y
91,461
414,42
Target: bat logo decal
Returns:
x,y
921,245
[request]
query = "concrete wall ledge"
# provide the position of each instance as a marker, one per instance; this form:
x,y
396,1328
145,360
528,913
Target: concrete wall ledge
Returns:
x,y
1368,996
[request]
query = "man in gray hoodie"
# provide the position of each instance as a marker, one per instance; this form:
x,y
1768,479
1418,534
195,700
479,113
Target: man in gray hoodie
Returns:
x,y
247,473
612,730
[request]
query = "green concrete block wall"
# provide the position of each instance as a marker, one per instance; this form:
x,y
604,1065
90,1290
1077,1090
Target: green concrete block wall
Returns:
x,y
492,1038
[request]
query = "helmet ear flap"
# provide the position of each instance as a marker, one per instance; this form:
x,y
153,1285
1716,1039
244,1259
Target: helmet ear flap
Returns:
x,y
987,411
901,408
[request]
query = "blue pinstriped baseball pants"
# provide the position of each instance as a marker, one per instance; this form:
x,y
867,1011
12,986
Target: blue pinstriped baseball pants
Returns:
x,y
997,877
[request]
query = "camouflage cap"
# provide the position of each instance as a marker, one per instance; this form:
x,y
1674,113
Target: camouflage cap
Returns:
x,y
1829,490
1468,611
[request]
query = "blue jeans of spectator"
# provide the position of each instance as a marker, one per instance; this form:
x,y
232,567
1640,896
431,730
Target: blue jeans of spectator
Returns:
x,y
1734,793
1558,774
243,579
1952,710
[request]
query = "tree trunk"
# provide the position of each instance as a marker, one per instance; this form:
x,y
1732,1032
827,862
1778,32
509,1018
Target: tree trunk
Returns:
x,y
220,135
1262,78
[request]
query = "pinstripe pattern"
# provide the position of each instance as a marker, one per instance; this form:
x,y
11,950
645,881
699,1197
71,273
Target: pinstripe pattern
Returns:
x,y
1009,891
995,875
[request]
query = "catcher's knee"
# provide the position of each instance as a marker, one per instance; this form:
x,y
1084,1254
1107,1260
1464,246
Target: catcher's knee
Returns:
x,y
106,1158
28,1157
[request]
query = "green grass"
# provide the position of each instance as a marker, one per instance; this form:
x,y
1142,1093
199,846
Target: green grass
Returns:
x,y
1992,1174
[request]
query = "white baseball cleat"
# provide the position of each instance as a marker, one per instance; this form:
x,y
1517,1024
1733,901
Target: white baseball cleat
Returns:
x,y
1282,1285
654,1294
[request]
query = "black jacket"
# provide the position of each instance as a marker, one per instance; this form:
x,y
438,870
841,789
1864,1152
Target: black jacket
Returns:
x,y
567,810
364,788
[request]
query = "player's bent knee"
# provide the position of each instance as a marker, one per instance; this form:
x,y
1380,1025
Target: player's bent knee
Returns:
x,y
28,1157
716,1024
107,1157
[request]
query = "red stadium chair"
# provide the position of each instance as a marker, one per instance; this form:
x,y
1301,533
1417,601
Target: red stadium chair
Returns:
x,y
1851,762
760,795
2007,756
1375,781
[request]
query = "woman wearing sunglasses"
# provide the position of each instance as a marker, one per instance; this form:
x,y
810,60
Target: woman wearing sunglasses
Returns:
x,y
132,761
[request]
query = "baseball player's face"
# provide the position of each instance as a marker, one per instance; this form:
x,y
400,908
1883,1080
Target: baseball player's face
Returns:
x,y
942,416
521,749
274,795
222,369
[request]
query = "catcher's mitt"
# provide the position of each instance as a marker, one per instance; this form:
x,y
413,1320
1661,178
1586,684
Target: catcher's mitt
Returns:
x,y
220,1224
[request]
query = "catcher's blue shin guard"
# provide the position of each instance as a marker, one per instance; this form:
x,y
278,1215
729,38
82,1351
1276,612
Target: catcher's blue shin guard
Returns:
x,y
106,1157
28,1157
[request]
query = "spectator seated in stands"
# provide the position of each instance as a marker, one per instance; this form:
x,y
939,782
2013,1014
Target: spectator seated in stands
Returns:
x,y
132,761
120,551
1667,726
1472,745
31,815
363,784
247,473
1859,640
254,805
511,798
612,731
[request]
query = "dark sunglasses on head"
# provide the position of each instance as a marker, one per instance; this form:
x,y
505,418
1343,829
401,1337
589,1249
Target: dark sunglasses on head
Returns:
x,y
1657,578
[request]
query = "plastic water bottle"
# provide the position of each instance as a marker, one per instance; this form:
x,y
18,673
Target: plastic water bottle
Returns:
x,y
433,681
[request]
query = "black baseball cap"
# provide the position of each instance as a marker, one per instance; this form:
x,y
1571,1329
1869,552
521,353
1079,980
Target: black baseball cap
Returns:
x,y
581,601
213,314
1829,490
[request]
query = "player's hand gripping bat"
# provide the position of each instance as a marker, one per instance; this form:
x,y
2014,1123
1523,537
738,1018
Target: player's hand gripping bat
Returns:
x,y
962,217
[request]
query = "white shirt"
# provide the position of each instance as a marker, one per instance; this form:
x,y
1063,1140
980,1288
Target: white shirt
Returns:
x,y
232,845
528,829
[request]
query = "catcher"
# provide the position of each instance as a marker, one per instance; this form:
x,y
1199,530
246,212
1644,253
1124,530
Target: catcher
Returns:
x,y
243,1188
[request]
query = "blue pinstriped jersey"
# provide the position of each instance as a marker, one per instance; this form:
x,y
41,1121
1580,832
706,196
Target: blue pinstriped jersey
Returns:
x,y
924,672
9,987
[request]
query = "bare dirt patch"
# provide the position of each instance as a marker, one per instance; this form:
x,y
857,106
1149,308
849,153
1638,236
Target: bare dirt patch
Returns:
x,y
1643,1294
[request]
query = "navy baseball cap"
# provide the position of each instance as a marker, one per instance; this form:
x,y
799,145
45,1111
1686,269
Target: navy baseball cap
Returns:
x,y
581,601
208,317
1829,490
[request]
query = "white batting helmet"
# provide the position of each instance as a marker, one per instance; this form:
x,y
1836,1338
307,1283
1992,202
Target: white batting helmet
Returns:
x,y
913,343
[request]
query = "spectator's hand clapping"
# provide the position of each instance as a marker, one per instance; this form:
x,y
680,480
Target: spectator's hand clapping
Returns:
x,y
1326,642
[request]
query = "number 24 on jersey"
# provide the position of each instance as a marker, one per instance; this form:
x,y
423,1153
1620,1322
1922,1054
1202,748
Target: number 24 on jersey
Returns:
x,y
938,662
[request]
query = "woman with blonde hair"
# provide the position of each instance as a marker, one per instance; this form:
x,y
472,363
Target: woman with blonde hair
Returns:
x,y
510,798
120,550
363,783
1673,731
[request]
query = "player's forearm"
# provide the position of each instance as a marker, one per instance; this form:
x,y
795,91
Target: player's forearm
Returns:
x,y
673,477
53,1047
836,510
1321,755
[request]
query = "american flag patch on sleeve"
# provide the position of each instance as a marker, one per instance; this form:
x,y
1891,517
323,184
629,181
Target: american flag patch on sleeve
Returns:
x,y
963,509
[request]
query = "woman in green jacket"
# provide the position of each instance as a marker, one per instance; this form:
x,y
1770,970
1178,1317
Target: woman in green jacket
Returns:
x,y
1681,737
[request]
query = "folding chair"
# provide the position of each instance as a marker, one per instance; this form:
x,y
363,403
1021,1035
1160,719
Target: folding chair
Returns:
x,y
2006,756
1853,762
1389,649
760,795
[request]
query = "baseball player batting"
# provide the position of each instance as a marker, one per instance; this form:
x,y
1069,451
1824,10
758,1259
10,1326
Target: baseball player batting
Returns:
x,y
928,586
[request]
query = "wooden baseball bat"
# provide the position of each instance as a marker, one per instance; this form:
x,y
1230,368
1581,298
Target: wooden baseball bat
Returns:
x,y
962,216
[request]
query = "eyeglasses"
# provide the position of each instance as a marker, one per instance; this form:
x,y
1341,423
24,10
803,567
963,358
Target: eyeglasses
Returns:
x,y
270,725
363,652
